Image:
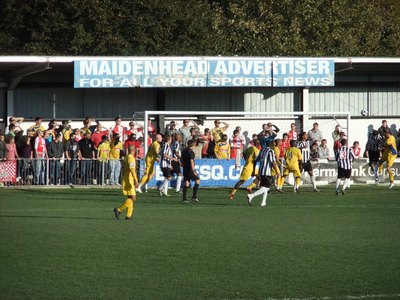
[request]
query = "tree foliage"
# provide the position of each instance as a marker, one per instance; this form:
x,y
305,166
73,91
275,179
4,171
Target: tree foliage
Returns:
x,y
200,27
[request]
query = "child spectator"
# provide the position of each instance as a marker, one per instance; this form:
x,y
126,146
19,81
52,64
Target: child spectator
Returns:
x,y
314,153
222,149
337,145
285,145
292,134
207,138
11,148
236,144
356,149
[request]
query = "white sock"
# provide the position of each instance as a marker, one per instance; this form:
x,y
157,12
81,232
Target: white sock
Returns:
x,y
165,185
260,191
338,181
140,186
178,183
346,183
265,195
376,171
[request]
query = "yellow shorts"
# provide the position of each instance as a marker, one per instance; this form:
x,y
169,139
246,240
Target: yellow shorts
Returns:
x,y
246,173
273,173
388,158
295,171
128,188
149,170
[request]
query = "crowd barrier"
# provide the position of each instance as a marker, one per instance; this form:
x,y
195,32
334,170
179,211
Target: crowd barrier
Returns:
x,y
223,173
60,172
212,172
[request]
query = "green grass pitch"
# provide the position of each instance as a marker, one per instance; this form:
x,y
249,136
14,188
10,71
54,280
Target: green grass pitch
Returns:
x,y
66,243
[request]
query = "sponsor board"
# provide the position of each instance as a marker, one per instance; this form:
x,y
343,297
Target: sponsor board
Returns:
x,y
203,72
223,173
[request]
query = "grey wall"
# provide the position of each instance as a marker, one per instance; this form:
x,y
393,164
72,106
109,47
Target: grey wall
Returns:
x,y
108,103
79,103
380,101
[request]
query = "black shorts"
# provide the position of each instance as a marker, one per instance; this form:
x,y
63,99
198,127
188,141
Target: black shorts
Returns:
x,y
176,168
307,167
266,181
166,172
373,156
187,176
344,173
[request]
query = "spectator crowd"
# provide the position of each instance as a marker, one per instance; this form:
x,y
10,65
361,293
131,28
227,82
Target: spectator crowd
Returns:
x,y
92,154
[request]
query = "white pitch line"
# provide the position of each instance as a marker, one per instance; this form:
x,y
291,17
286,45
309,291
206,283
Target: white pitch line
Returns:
x,y
207,206
342,297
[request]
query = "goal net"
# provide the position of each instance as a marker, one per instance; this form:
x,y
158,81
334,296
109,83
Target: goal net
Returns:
x,y
251,122
215,172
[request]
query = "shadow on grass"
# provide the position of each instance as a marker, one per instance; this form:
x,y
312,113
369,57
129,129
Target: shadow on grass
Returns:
x,y
56,217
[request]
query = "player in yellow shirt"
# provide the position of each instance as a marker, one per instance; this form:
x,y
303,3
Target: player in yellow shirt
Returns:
x,y
389,155
279,180
152,156
129,182
222,148
293,159
250,155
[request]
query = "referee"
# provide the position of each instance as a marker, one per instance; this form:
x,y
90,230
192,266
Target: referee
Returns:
x,y
344,158
267,161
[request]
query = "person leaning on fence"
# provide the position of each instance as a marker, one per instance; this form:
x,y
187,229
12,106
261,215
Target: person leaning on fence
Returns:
x,y
103,154
71,150
86,149
116,153
65,130
40,153
25,153
129,183
56,152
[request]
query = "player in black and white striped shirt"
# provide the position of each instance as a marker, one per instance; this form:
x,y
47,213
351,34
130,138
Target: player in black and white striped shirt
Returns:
x,y
344,157
304,146
267,161
175,164
165,164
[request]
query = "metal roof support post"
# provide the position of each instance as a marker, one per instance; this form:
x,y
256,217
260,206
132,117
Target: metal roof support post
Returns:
x,y
305,97
10,104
